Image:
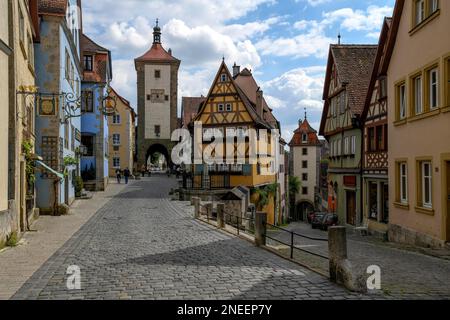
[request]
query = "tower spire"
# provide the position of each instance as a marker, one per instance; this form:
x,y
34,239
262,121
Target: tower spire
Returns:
x,y
157,33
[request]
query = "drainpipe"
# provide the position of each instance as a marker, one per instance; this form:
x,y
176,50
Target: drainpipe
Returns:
x,y
361,170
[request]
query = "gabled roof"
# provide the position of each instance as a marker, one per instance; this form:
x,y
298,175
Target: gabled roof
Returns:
x,y
124,101
248,84
189,109
102,67
88,45
157,54
304,128
52,7
376,70
354,65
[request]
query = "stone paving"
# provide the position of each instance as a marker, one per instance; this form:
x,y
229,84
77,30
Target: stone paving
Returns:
x,y
405,274
141,245
18,264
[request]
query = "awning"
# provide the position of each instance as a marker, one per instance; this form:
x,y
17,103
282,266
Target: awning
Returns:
x,y
59,175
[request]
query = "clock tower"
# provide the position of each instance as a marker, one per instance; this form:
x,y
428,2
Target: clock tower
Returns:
x,y
157,90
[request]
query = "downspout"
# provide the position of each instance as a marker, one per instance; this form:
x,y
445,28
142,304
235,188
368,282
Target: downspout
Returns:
x,y
361,171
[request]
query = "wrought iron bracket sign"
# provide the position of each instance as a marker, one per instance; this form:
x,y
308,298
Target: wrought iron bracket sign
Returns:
x,y
48,104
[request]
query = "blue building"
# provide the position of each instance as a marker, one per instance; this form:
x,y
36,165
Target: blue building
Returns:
x,y
97,74
58,76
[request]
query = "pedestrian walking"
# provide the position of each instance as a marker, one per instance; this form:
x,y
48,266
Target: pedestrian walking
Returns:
x,y
126,174
119,176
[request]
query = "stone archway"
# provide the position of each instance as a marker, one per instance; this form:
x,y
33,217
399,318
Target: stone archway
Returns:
x,y
302,209
161,149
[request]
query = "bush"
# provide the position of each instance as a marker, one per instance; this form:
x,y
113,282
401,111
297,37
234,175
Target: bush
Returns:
x,y
79,185
12,240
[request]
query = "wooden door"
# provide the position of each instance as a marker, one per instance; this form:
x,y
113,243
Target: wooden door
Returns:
x,y
351,208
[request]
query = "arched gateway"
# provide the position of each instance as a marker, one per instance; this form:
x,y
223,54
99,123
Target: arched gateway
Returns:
x,y
157,88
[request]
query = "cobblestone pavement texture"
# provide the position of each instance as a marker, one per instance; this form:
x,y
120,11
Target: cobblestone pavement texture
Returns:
x,y
141,245
405,274
18,264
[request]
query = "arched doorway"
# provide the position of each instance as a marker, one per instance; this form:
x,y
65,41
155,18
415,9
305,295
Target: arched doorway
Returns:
x,y
158,158
302,209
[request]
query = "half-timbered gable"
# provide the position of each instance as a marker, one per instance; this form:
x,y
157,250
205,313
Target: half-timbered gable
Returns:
x,y
347,79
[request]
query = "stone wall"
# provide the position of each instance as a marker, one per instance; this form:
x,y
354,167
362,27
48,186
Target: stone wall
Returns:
x,y
404,235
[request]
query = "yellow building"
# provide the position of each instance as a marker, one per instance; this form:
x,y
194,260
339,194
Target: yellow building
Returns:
x,y
419,122
122,140
17,191
236,102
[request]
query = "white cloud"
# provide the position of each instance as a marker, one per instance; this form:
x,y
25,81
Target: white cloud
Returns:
x,y
293,91
315,3
358,20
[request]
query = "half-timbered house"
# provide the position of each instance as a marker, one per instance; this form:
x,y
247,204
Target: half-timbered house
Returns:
x,y
375,156
236,102
346,83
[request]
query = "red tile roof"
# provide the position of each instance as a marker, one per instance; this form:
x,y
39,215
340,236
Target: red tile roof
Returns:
x,y
304,128
354,65
52,7
189,109
157,54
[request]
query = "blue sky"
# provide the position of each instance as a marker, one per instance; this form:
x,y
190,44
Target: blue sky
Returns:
x,y
284,42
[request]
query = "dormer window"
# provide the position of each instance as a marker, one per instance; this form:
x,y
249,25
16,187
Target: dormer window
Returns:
x,y
223,78
88,63
304,138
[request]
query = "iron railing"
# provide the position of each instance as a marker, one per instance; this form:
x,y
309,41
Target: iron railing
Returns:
x,y
292,245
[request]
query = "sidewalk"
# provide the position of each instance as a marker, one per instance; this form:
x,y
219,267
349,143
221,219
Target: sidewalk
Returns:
x,y
18,264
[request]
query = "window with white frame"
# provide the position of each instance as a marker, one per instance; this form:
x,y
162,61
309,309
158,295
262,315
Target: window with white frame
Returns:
x,y
403,179
418,104
229,107
223,78
402,101
347,145
434,6
419,11
304,138
116,119
433,76
426,176
221,107
116,163
116,139
353,145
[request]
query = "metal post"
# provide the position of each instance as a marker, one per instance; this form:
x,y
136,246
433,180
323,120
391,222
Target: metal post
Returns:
x,y
292,245
260,228
220,215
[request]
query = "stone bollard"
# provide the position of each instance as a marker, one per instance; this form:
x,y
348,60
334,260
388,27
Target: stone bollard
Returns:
x,y
192,201
260,228
221,215
337,249
196,202
209,209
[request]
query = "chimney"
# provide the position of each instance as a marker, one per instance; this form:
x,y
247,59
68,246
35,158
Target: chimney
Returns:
x,y
259,103
170,51
236,70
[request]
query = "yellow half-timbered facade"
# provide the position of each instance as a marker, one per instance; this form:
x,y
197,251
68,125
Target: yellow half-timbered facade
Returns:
x,y
236,104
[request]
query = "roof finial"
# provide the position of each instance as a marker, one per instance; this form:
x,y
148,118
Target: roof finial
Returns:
x,y
306,114
157,21
339,38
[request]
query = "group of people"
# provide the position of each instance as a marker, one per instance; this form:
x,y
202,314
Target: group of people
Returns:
x,y
125,173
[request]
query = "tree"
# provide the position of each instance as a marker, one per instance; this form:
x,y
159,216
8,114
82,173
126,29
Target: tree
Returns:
x,y
294,186
264,195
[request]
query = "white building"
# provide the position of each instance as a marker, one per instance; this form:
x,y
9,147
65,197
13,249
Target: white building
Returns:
x,y
305,152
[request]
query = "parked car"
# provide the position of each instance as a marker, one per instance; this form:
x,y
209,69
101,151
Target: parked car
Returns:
x,y
317,219
329,220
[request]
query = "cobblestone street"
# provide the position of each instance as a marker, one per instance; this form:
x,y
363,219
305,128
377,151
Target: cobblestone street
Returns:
x,y
405,272
141,245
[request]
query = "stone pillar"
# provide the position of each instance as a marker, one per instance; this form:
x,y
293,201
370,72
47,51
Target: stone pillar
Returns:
x,y
196,201
260,228
221,215
337,250
209,209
